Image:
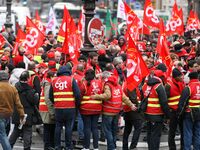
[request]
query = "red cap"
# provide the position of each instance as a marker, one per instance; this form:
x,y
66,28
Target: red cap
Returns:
x,y
4,58
51,55
101,52
114,42
42,65
158,73
52,63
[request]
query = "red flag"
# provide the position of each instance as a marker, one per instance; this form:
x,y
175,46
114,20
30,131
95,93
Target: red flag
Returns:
x,y
193,21
38,22
163,49
2,41
21,36
34,37
65,22
136,67
69,46
175,24
150,17
134,23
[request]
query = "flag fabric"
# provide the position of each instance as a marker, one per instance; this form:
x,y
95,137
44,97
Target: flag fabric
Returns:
x,y
150,17
52,22
193,21
69,46
34,37
2,41
80,30
81,24
135,25
175,24
38,22
121,10
136,67
162,48
65,22
21,36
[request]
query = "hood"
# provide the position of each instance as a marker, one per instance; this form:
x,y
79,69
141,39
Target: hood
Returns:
x,y
64,70
153,80
22,86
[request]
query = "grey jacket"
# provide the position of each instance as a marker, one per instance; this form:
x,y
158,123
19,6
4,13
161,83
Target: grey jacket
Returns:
x,y
48,117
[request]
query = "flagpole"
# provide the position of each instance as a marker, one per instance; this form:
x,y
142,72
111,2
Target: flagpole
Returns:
x,y
7,42
142,31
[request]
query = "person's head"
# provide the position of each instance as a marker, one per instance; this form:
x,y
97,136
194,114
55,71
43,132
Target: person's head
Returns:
x,y
114,49
177,75
93,58
50,74
41,68
89,76
7,51
192,65
31,65
40,51
162,67
57,56
193,75
52,65
4,76
121,40
64,70
4,61
21,50
80,67
51,55
174,57
21,65
118,62
83,60
109,67
24,77
9,68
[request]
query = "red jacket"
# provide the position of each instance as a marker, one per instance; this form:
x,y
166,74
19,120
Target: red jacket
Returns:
x,y
17,59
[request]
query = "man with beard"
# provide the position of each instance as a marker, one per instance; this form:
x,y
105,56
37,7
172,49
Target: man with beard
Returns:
x,y
19,58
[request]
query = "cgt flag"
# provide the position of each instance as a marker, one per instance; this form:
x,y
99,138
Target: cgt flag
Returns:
x,y
136,67
150,17
34,37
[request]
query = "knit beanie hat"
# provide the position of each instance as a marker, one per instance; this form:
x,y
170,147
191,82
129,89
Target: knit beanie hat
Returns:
x,y
193,75
176,73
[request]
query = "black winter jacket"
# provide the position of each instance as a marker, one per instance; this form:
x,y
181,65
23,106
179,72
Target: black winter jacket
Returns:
x,y
29,100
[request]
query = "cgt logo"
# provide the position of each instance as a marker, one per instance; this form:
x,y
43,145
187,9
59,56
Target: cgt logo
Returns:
x,y
173,24
61,85
151,14
117,92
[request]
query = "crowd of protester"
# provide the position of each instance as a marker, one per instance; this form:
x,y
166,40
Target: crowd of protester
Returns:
x,y
96,87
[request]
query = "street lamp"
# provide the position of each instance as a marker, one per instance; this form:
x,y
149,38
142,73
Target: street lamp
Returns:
x,y
8,23
89,7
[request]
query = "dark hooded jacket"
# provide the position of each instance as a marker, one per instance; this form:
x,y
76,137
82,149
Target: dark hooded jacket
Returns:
x,y
29,100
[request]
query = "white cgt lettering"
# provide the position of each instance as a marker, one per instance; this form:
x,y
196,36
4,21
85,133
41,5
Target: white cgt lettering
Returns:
x,y
61,85
153,16
31,39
